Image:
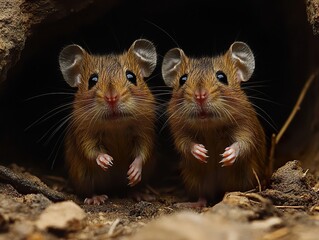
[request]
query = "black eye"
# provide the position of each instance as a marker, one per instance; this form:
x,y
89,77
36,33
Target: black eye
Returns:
x,y
93,80
131,77
182,80
221,76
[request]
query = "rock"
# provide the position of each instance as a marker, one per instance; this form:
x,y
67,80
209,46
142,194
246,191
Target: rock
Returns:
x,y
4,223
244,207
19,18
188,225
292,186
313,15
63,216
238,216
22,228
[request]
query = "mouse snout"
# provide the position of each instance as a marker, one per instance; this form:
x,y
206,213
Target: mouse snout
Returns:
x,y
200,95
111,97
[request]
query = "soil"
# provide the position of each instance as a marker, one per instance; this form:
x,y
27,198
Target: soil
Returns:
x,y
32,209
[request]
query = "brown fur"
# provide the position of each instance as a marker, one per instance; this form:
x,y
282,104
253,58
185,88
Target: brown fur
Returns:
x,y
235,121
92,130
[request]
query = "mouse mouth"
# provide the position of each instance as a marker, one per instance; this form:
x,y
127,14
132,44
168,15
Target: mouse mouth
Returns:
x,y
114,115
203,114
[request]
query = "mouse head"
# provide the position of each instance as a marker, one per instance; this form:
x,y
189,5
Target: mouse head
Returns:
x,y
238,61
75,62
112,82
205,85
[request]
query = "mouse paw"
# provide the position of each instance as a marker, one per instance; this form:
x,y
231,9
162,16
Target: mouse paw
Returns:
x,y
199,152
96,200
230,155
135,171
104,161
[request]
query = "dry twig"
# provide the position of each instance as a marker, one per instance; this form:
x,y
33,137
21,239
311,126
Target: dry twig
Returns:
x,y
276,138
113,226
257,178
297,106
290,207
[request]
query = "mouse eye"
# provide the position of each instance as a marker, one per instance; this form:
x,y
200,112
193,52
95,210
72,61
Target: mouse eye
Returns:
x,y
131,77
182,80
93,80
221,76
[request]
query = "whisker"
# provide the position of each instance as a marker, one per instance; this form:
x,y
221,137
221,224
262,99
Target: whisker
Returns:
x,y
180,109
273,125
49,94
263,99
56,128
163,30
48,115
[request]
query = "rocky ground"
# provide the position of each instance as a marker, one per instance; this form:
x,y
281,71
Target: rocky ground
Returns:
x,y
32,209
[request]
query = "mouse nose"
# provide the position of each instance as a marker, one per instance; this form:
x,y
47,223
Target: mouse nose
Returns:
x,y
201,95
111,97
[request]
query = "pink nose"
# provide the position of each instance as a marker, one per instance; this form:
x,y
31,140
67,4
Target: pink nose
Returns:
x,y
201,95
111,97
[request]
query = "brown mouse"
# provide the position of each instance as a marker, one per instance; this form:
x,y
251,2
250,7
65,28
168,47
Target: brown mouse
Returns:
x,y
214,126
110,136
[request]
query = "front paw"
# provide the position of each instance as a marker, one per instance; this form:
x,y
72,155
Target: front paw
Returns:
x,y
199,152
104,161
135,172
230,155
96,200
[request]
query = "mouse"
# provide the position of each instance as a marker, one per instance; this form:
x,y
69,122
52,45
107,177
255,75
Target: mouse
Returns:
x,y
109,142
214,126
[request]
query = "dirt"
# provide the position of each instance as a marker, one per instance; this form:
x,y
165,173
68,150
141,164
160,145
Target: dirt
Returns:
x,y
287,209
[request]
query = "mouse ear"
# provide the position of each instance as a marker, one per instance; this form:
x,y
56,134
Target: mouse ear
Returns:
x,y
244,60
145,53
171,64
70,59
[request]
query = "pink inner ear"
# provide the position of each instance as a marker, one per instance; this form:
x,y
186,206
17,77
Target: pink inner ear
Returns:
x,y
77,80
240,77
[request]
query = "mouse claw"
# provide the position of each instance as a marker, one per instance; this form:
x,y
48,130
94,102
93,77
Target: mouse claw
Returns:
x,y
199,152
135,172
104,161
230,155
96,200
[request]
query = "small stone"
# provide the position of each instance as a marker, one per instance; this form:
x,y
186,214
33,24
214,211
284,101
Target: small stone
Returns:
x,y
63,216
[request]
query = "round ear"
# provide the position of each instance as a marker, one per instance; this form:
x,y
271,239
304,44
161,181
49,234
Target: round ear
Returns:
x,y
171,65
70,59
146,56
244,60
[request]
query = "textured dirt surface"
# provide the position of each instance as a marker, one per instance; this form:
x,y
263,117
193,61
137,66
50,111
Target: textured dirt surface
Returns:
x,y
313,14
286,210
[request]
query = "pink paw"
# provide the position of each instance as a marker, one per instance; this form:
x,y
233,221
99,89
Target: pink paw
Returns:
x,y
230,155
104,161
199,152
96,200
135,172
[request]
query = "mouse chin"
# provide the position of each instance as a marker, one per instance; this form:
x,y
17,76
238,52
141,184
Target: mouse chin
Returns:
x,y
204,115
114,115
